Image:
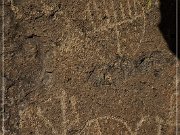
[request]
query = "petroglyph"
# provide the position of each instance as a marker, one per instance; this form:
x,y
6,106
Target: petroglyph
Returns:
x,y
143,33
129,9
172,110
131,15
64,108
118,120
122,11
84,86
103,118
33,118
46,121
98,127
74,111
159,125
94,125
139,124
116,28
15,9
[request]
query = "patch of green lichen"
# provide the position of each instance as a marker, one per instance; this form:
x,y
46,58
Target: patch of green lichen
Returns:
x,y
149,3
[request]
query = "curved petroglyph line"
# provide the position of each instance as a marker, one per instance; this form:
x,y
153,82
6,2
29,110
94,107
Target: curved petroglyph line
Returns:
x,y
15,9
112,25
139,124
63,98
98,127
46,121
89,122
92,7
116,24
125,20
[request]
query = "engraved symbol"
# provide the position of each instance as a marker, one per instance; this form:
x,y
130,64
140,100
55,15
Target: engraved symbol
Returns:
x,y
92,126
127,18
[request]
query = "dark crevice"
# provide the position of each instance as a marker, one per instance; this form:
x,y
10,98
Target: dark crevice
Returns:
x,y
167,25
32,36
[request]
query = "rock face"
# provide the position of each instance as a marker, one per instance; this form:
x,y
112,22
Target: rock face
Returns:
x,y
87,67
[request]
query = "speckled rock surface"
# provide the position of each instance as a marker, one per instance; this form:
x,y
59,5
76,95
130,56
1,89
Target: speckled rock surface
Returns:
x,y
87,67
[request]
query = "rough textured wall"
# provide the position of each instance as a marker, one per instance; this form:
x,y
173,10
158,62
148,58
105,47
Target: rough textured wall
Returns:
x,y
87,67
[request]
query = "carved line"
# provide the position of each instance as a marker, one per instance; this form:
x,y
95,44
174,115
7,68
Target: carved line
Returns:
x,y
46,121
122,10
139,124
129,9
159,121
73,104
98,127
89,122
96,120
106,27
143,32
116,29
63,109
171,110
135,7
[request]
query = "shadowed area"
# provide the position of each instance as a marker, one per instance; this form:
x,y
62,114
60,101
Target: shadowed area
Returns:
x,y
168,23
